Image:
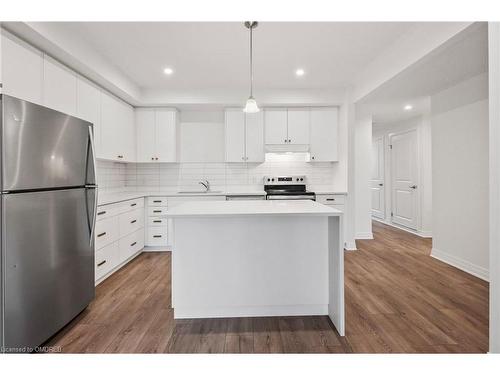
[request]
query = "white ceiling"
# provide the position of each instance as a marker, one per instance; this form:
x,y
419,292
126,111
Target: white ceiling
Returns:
x,y
208,55
460,58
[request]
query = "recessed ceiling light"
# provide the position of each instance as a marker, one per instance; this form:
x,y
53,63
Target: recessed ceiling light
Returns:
x,y
408,107
168,71
300,72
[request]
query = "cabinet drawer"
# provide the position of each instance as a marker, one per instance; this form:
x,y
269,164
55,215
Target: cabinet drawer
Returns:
x,y
131,221
131,244
107,211
156,221
156,236
106,231
132,204
157,211
157,202
330,198
105,260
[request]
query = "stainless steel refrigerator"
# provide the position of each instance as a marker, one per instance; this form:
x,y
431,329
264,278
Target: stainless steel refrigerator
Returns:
x,y
48,206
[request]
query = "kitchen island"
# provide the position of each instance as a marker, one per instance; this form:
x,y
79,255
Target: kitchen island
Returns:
x,y
259,258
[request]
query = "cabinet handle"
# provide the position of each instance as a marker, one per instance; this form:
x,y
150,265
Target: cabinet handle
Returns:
x,y
330,199
133,221
156,221
133,204
312,157
101,234
157,236
156,211
157,201
120,156
133,244
101,263
101,213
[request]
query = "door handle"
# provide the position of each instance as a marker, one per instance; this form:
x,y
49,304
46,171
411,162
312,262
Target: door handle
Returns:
x,y
413,186
380,184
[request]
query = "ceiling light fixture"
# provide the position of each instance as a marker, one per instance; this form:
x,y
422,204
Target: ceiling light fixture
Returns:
x,y
168,71
408,107
300,72
251,105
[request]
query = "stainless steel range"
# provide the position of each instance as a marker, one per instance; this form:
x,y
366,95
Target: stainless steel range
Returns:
x,y
287,188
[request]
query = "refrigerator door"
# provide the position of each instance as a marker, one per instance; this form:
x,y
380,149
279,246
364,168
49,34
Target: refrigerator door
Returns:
x,y
49,263
42,148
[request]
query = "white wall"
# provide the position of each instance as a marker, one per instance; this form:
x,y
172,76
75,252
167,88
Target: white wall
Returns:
x,y
494,112
362,176
460,175
424,159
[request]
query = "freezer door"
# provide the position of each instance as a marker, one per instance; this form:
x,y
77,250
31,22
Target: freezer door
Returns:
x,y
49,263
42,148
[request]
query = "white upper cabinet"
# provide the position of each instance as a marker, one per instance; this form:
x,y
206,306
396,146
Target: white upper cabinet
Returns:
x,y
157,135
89,108
244,134
324,134
254,137
298,126
22,70
167,135
235,136
276,124
146,134
126,133
59,87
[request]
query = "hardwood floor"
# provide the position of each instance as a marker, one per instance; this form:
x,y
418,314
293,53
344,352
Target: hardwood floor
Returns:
x,y
398,300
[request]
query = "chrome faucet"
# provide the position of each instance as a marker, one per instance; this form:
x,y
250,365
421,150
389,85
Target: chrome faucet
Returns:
x,y
206,184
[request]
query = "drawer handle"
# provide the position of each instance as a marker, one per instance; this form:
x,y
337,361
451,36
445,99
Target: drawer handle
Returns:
x,y
101,234
157,201
156,211
101,263
133,204
133,244
133,221
157,236
156,221
330,199
101,213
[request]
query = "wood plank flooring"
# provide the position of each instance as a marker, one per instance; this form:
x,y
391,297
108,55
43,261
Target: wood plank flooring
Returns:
x,y
398,300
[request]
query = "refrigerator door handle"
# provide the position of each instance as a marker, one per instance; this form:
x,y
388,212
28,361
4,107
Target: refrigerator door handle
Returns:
x,y
94,215
92,158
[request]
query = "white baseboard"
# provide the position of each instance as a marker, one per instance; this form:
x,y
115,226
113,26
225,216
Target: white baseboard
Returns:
x,y
350,245
464,265
364,236
156,249
423,234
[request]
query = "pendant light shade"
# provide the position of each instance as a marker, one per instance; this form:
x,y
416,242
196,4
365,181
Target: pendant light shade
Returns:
x,y
251,104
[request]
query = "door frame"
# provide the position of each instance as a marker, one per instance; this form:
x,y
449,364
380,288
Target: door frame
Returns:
x,y
389,174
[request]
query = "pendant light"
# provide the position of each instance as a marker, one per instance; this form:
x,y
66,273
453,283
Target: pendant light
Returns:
x,y
251,105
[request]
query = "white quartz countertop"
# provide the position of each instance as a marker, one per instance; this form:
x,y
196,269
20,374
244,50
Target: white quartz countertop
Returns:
x,y
259,208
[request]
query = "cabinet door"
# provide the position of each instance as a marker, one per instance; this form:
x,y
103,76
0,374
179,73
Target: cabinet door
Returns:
x,y
298,126
235,136
110,131
22,70
89,109
254,130
166,135
324,134
59,87
127,132
276,126
146,134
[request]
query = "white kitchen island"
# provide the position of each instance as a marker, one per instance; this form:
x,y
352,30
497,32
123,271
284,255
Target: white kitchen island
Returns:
x,y
257,258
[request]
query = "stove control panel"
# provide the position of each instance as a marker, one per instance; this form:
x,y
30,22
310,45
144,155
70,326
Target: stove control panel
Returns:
x,y
284,180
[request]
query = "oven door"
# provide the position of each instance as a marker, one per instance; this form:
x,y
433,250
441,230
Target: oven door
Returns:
x,y
311,197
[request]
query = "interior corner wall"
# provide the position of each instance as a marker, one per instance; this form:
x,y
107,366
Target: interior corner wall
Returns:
x,y
460,214
362,175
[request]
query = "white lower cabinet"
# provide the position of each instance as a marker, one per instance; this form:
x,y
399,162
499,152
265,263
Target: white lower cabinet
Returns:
x,y
337,201
119,235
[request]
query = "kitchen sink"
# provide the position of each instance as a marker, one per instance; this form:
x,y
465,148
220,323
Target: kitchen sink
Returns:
x,y
200,192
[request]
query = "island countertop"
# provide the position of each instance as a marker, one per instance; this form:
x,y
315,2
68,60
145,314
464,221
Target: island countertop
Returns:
x,y
251,208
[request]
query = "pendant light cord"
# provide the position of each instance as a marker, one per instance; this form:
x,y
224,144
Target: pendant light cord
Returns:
x,y
251,60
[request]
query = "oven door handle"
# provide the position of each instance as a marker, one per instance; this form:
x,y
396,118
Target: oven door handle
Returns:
x,y
291,197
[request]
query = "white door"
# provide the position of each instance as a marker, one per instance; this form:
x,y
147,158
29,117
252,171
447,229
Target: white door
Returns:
x,y
235,136
166,135
276,126
254,136
377,181
404,178
324,134
146,135
298,126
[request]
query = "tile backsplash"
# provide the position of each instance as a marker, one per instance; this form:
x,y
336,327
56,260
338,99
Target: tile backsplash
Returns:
x,y
222,176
